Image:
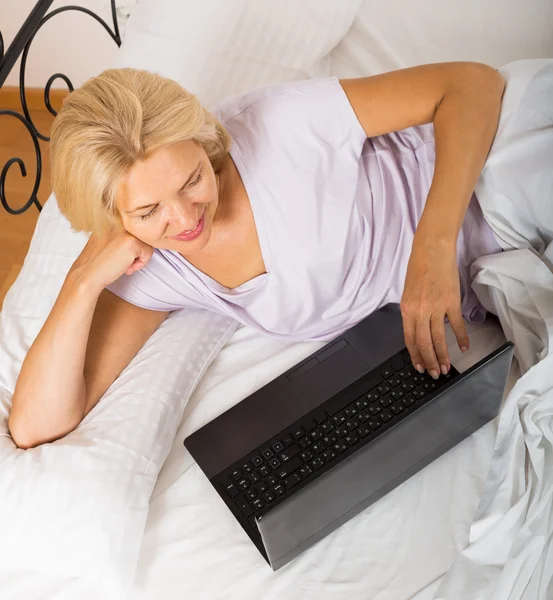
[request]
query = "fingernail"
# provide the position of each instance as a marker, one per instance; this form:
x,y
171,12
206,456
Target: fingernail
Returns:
x,y
464,348
419,368
434,374
444,370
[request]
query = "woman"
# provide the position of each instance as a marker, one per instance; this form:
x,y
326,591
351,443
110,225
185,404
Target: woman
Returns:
x,y
297,208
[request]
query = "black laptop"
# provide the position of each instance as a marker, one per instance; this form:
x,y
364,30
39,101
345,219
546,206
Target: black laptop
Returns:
x,y
324,440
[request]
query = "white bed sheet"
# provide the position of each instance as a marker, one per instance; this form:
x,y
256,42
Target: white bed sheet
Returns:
x,y
193,547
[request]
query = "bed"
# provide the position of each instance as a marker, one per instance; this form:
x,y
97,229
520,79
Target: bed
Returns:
x,y
438,535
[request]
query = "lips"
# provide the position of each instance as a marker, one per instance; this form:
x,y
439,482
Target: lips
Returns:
x,y
190,234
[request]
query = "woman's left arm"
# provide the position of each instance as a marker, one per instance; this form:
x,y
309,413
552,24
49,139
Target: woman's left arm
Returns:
x,y
463,99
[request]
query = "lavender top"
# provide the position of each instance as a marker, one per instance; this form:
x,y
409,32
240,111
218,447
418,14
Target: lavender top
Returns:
x,y
335,213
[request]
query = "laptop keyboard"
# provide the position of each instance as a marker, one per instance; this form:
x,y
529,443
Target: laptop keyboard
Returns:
x,y
325,437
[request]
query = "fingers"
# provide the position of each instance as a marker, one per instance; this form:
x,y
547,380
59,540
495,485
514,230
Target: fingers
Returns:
x,y
437,327
409,333
425,345
458,325
426,342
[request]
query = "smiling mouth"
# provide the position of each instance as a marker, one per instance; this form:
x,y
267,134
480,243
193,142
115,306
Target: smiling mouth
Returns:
x,y
191,233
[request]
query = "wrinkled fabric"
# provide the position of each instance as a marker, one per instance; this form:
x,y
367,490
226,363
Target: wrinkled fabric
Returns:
x,y
335,214
510,551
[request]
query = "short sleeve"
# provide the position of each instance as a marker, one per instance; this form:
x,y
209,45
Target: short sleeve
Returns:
x,y
313,109
157,286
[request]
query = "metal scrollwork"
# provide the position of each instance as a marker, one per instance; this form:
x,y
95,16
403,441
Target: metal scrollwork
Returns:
x,y
22,43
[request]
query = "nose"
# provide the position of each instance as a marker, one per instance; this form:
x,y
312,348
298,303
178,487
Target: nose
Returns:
x,y
181,216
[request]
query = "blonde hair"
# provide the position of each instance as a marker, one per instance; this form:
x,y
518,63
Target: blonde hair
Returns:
x,y
115,119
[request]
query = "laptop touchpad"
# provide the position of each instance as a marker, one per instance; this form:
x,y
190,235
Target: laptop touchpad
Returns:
x,y
330,376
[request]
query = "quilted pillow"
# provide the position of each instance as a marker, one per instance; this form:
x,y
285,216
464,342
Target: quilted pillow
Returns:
x,y
77,507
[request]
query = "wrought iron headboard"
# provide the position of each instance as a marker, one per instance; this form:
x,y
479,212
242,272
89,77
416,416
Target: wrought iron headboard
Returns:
x,y
21,44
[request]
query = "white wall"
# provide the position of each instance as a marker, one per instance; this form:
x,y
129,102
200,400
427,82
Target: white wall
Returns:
x,y
71,43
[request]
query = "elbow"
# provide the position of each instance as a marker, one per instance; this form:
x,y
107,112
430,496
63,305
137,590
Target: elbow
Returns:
x,y
20,436
488,73
25,438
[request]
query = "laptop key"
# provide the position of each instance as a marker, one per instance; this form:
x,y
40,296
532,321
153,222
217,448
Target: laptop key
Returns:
x,y
292,480
268,496
272,479
257,460
351,440
258,504
330,440
339,419
374,410
275,463
385,416
279,489
383,389
316,463
397,408
408,400
362,403
267,453
252,477
289,453
328,427
374,424
341,431
264,470
307,455
244,484
289,467
386,373
261,486
237,475
298,433
231,490
278,446
317,434
386,401
363,416
350,411
305,442
244,506
305,471
362,432
394,381
250,495
247,468
318,447
329,455
372,397
288,440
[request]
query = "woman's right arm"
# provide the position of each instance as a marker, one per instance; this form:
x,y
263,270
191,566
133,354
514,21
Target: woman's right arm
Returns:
x,y
89,337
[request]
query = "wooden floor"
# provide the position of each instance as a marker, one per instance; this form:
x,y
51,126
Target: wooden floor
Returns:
x,y
16,230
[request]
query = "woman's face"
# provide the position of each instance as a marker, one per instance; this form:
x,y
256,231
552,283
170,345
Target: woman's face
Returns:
x,y
172,193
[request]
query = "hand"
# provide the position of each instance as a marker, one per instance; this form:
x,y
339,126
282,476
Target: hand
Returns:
x,y
103,260
431,292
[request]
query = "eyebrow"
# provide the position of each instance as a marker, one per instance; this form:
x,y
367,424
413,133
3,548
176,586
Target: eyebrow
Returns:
x,y
180,190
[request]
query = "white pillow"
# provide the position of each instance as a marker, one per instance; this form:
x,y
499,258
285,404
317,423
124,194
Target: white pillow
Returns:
x,y
216,49
77,507
391,35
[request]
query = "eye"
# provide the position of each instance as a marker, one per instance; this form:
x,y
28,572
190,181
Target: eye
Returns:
x,y
196,181
148,215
